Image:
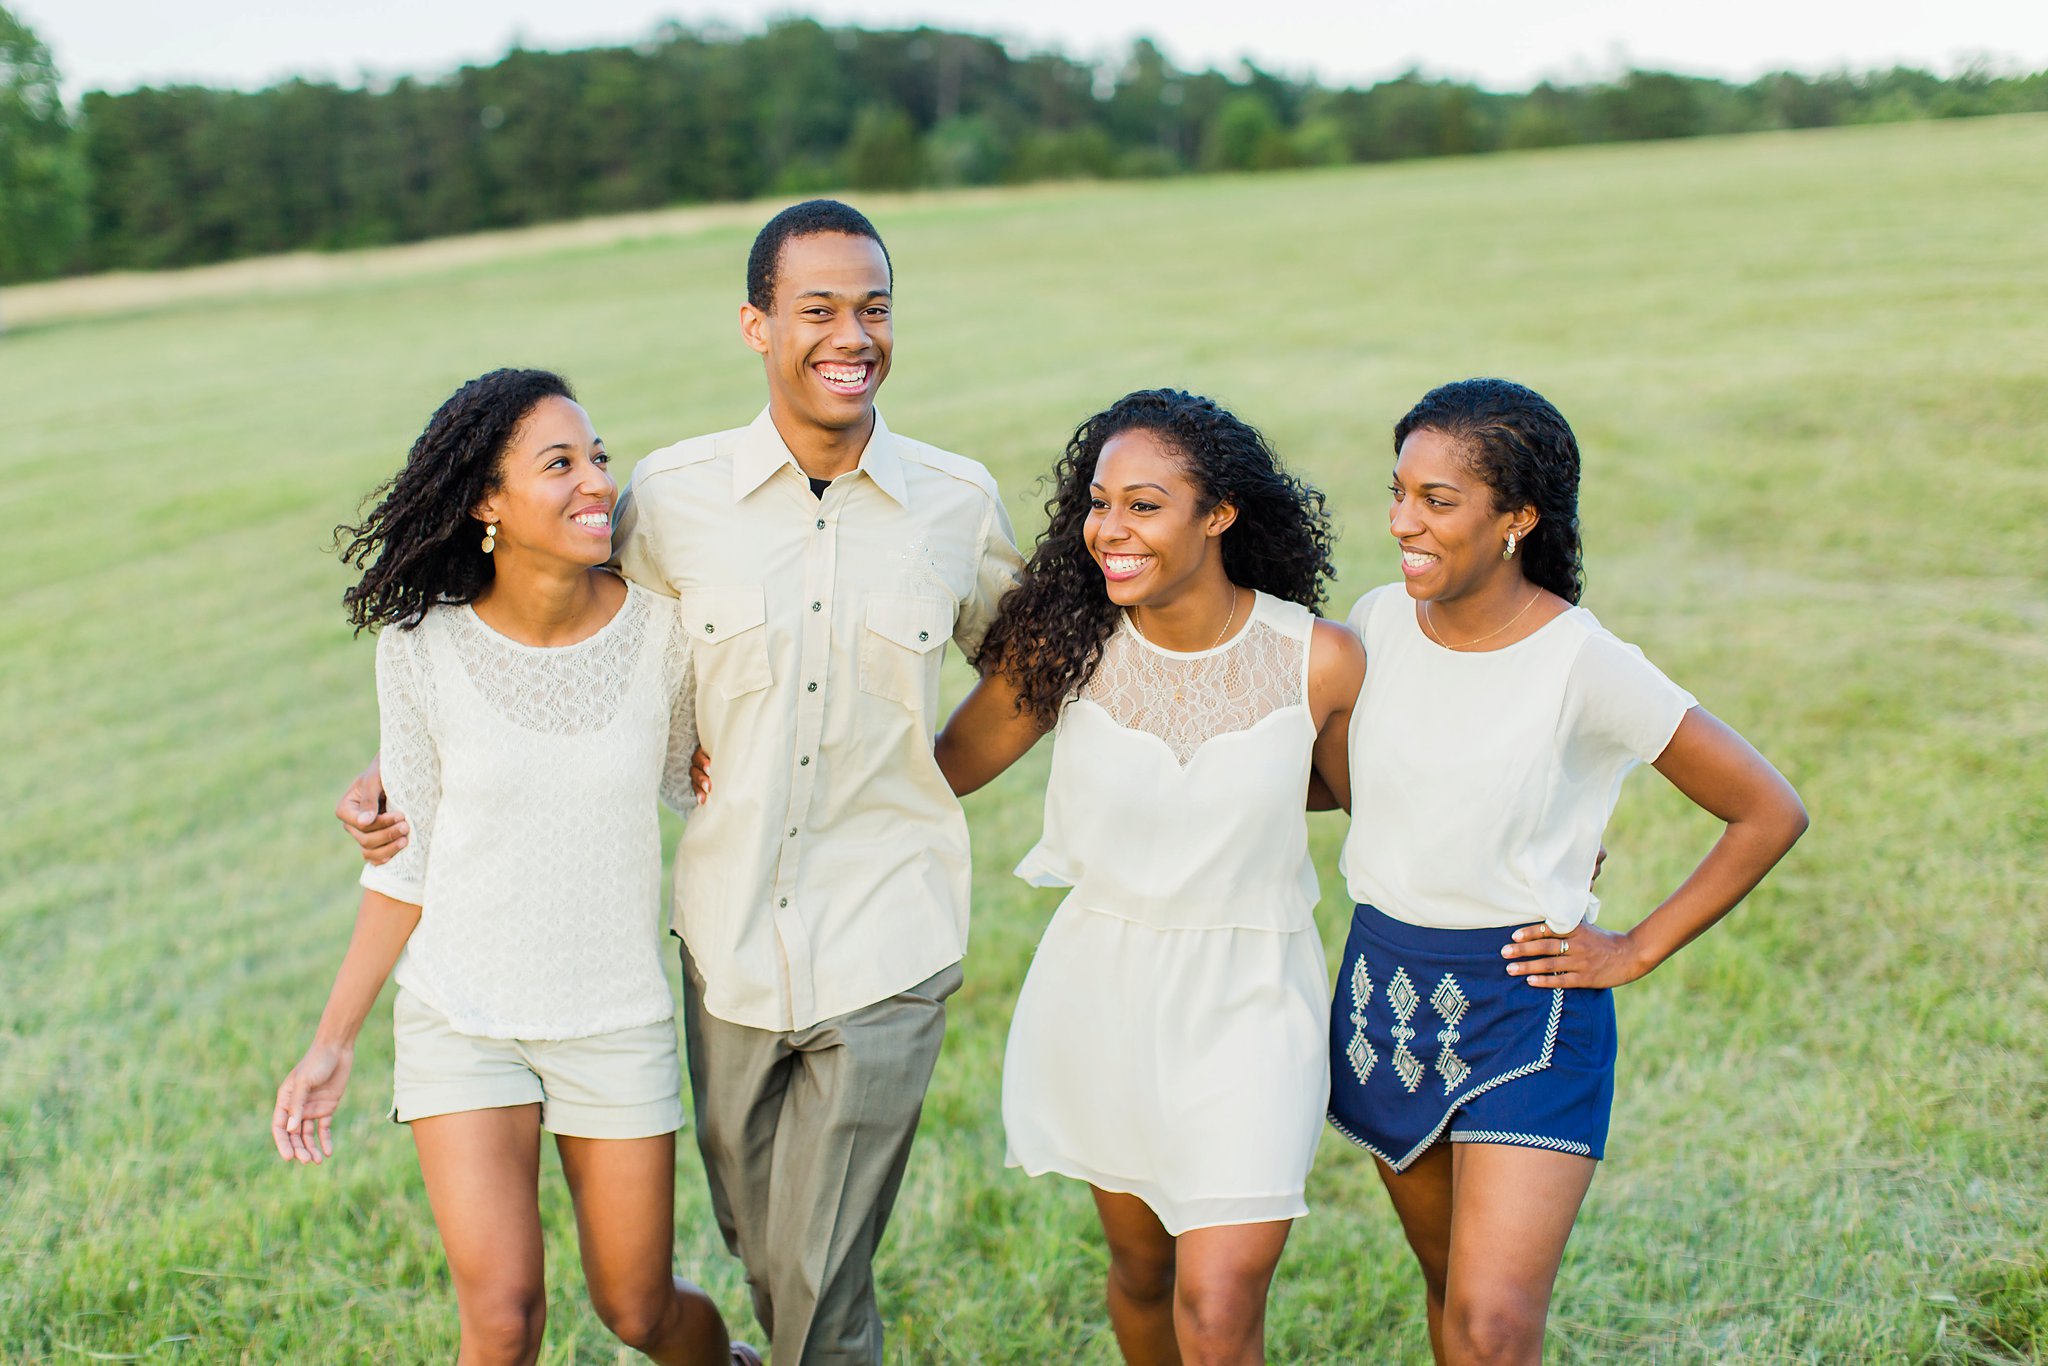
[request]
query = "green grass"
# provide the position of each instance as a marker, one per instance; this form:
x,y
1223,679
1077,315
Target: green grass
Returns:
x,y
1808,372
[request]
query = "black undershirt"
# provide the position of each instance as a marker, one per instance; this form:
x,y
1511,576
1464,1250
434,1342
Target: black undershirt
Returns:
x,y
818,486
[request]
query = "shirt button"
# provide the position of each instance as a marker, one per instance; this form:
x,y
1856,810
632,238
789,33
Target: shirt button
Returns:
x,y
792,832
817,607
783,902
709,628
804,762
821,524
810,687
924,635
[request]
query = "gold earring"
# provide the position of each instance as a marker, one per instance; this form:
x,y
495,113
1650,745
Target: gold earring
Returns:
x,y
1509,553
490,538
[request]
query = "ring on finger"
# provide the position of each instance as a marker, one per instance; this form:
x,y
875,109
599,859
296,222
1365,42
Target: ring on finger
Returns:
x,y
1564,946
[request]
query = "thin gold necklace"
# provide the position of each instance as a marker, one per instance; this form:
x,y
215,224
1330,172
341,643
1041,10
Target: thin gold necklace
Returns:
x,y
1212,644
1430,625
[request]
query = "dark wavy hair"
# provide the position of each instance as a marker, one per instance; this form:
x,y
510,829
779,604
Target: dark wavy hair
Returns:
x,y
1049,633
812,218
427,545
1521,446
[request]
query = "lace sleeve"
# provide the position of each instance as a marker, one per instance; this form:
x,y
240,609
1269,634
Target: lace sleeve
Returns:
x,y
679,672
410,761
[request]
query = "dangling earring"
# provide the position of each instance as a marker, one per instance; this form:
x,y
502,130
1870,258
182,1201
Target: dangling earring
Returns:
x,y
1509,553
490,537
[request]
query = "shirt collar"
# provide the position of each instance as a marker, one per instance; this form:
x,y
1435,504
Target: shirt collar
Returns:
x,y
762,451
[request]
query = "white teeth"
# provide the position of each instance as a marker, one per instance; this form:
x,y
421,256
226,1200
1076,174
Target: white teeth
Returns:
x,y
1417,559
844,374
1124,564
592,519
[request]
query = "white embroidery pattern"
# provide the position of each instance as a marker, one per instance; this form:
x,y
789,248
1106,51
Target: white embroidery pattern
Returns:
x,y
1360,1050
1401,996
1556,1145
921,570
1401,1162
1450,1003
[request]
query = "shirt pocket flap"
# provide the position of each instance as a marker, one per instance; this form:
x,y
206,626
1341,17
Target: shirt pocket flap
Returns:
x,y
907,619
712,616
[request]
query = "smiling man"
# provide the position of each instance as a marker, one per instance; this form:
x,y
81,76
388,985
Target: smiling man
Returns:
x,y
822,563
821,891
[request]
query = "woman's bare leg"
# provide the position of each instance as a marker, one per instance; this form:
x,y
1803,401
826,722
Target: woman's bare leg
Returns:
x,y
1512,1211
1422,1200
1221,1276
1141,1276
624,1189
482,1169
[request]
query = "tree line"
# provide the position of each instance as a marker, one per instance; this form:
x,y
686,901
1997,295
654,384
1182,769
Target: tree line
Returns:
x,y
183,175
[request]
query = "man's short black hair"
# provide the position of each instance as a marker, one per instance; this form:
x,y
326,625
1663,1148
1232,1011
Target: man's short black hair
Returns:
x,y
812,218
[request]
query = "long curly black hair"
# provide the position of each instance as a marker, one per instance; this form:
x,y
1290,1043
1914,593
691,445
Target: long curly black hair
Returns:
x,y
1048,635
427,545
1519,443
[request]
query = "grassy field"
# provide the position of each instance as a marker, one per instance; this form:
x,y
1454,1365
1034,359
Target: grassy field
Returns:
x,y
1811,376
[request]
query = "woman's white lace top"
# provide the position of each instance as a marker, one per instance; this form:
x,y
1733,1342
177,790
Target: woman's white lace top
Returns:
x,y
1179,780
530,776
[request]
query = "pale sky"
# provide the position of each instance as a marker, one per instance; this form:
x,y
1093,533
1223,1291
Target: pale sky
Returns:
x,y
1505,44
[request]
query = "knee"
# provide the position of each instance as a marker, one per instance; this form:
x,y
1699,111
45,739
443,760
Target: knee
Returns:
x,y
1217,1322
638,1320
1141,1278
506,1326
1501,1326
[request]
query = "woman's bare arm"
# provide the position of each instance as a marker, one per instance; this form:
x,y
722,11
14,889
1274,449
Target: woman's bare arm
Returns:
x,y
987,733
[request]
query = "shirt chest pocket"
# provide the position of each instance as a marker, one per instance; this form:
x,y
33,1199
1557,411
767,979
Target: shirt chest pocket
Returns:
x,y
729,642
902,636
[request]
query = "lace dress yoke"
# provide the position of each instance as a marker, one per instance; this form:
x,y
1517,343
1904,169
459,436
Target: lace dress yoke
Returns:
x,y
1189,699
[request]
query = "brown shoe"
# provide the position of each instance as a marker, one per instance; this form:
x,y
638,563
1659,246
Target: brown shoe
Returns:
x,y
743,1355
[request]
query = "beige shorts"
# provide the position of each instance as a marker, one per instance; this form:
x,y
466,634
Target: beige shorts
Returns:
x,y
626,1084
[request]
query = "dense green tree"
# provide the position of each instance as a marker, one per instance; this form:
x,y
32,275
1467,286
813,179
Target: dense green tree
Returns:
x,y
965,150
1245,135
182,175
42,183
882,153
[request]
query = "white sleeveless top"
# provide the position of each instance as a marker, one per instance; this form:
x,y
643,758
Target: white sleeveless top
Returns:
x,y
530,776
1179,779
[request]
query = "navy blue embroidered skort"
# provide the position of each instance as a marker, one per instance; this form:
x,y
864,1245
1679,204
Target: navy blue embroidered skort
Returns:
x,y
1430,1038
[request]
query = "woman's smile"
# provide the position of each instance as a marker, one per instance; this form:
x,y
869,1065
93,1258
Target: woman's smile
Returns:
x,y
1120,566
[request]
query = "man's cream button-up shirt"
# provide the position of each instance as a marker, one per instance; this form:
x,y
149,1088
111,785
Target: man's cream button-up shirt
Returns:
x,y
829,869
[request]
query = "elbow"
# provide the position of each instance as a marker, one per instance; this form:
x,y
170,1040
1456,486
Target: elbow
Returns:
x,y
1792,820
1797,822
948,759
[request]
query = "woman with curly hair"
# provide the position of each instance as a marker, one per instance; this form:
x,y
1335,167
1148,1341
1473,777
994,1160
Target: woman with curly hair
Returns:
x,y
1472,1042
1168,1046
531,710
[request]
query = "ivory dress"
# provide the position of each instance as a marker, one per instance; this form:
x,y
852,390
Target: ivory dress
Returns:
x,y
1170,1041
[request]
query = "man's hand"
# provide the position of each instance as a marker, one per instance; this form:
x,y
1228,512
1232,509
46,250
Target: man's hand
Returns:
x,y
700,779
378,832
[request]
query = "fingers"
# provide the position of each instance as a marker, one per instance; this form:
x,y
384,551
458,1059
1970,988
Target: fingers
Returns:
x,y
700,775
280,1121
293,1133
382,838
1539,956
380,833
1537,941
